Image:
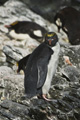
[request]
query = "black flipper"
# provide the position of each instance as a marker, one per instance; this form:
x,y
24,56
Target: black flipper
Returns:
x,y
22,63
42,66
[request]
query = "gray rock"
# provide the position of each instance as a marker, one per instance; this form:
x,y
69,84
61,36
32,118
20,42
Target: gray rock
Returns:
x,y
4,70
13,110
10,82
2,57
12,54
71,73
73,52
46,8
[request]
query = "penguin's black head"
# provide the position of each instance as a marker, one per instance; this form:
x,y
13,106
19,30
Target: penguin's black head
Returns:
x,y
51,39
12,26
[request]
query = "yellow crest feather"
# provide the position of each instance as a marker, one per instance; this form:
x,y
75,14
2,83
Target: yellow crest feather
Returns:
x,y
14,23
17,64
50,35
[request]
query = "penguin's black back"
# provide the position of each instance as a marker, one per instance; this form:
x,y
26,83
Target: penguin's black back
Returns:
x,y
39,58
27,26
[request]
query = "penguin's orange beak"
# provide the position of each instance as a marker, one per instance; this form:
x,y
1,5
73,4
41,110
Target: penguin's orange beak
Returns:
x,y
50,42
7,26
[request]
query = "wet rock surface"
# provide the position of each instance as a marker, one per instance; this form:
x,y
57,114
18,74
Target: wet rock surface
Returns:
x,y
65,88
47,9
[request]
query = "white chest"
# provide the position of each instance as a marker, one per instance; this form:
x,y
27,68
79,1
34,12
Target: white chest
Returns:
x,y
22,36
51,68
19,36
53,61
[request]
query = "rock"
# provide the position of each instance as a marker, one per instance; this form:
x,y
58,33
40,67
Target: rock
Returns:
x,y
46,8
71,73
64,106
12,112
76,114
8,81
4,70
12,54
72,52
75,2
2,58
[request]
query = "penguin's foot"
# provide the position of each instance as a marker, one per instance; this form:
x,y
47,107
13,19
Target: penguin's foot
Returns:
x,y
44,97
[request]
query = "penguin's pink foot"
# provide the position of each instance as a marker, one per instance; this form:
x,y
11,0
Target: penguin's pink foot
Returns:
x,y
44,97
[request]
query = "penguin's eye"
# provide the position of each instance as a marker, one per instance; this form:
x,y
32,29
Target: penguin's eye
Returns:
x,y
53,39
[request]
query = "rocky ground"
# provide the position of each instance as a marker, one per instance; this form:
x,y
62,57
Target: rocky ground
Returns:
x,y
65,88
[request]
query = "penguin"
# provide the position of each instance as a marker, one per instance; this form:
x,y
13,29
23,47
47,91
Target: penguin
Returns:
x,y
68,19
22,63
23,29
41,67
